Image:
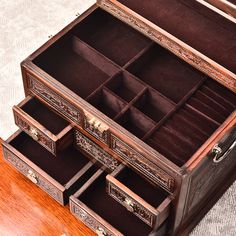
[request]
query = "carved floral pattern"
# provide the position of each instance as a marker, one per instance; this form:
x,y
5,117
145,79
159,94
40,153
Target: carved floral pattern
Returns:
x,y
41,182
140,211
152,171
95,151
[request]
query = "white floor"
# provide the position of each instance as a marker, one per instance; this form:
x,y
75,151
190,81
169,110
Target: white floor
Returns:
x,y
24,26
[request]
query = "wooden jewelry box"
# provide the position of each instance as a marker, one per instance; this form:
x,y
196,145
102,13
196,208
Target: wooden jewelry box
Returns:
x,y
138,141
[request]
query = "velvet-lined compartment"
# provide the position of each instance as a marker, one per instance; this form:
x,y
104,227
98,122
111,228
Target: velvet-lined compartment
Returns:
x,y
113,38
67,164
46,117
166,73
203,29
97,199
76,66
125,86
151,194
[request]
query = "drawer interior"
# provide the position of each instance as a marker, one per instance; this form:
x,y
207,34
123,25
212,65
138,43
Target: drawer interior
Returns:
x,y
140,85
63,168
205,30
96,198
46,117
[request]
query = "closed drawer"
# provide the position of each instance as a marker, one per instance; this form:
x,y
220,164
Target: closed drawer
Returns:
x,y
148,202
56,176
43,125
105,216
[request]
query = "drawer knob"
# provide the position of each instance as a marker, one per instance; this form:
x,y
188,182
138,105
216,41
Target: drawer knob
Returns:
x,y
101,232
34,134
32,177
129,204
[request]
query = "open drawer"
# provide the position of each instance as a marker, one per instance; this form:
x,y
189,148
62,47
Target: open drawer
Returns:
x,y
43,125
148,202
59,177
105,216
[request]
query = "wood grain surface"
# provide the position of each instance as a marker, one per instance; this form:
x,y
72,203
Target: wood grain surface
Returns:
x,y
25,210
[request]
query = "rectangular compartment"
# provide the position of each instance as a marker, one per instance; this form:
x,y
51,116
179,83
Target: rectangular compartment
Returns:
x,y
148,202
75,65
136,122
166,73
125,86
43,125
105,216
154,105
59,177
111,37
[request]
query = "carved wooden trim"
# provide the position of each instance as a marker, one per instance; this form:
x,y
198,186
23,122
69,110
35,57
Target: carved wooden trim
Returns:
x,y
164,40
23,168
55,100
87,218
146,167
95,151
44,140
139,210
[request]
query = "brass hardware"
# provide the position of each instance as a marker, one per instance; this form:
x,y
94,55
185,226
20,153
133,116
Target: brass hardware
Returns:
x,y
129,204
218,151
34,133
101,232
95,123
31,176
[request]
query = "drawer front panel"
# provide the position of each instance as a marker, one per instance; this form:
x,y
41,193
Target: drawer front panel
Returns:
x,y
132,205
35,133
56,101
36,178
95,151
135,159
88,219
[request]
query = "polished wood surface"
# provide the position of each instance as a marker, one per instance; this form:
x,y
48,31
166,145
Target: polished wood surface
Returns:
x,y
26,210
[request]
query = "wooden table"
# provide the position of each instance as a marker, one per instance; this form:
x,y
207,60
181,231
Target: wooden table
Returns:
x,y
25,210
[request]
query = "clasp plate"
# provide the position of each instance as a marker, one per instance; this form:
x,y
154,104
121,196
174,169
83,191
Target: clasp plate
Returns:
x,y
32,177
101,232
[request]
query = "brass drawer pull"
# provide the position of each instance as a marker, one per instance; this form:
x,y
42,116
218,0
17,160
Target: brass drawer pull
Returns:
x,y
129,204
101,232
32,177
34,133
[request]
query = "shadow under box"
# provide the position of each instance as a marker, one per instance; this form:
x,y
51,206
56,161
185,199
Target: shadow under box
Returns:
x,y
111,37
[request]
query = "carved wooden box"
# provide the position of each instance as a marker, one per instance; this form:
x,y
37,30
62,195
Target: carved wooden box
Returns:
x,y
153,136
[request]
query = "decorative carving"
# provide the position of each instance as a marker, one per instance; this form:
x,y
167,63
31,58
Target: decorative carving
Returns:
x,y
95,127
87,219
137,209
25,170
163,38
58,102
152,171
44,140
95,151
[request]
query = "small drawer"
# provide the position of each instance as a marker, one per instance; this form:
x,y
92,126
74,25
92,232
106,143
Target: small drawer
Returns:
x,y
148,202
105,216
59,177
43,125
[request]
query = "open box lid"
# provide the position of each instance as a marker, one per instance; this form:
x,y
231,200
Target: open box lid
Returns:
x,y
187,28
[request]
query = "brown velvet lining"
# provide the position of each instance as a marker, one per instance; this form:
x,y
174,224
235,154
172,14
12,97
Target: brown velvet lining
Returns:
x,y
111,37
193,23
62,168
45,116
96,198
152,194
166,73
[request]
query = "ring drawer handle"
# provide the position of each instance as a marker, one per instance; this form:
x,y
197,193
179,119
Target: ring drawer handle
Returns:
x,y
129,204
34,133
101,232
31,176
218,156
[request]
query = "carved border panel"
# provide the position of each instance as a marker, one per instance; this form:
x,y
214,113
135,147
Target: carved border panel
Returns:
x,y
42,182
135,159
139,210
95,151
55,100
44,140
